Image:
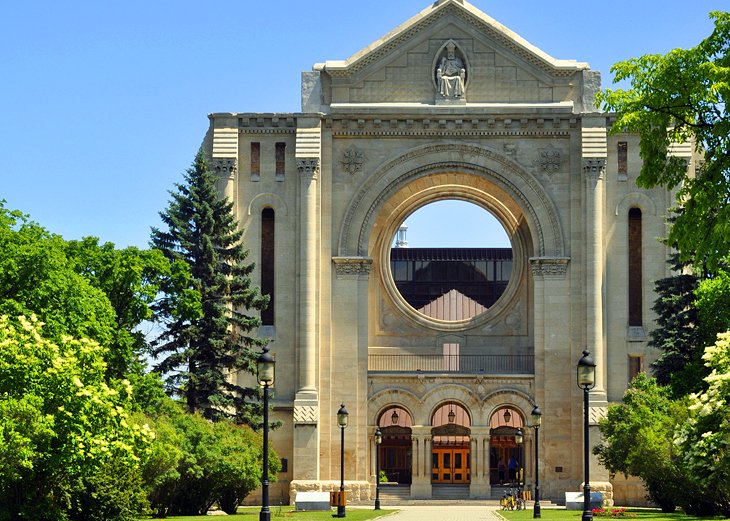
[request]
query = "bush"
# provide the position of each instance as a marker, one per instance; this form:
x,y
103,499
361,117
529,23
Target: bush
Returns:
x,y
196,463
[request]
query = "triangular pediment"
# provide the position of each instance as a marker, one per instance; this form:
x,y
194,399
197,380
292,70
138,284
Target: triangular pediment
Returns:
x,y
486,62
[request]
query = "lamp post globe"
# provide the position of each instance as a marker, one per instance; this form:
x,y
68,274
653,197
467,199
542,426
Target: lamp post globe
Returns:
x,y
342,416
586,379
536,417
378,441
265,371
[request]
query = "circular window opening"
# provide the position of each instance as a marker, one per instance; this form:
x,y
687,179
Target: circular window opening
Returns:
x,y
451,260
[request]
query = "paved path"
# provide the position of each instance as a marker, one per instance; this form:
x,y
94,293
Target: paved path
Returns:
x,y
444,513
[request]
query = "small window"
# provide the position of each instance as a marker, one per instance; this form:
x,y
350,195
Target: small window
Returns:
x,y
636,366
622,159
255,161
280,161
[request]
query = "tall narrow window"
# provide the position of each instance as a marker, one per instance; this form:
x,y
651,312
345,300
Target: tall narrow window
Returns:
x,y
635,270
451,357
280,161
623,160
255,161
267,264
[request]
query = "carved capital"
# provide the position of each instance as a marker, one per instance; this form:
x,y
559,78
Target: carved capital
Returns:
x,y
595,168
352,266
308,167
549,267
224,166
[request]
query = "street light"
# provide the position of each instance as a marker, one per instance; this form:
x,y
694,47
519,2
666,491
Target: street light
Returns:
x,y
519,438
342,415
265,365
586,380
378,441
536,420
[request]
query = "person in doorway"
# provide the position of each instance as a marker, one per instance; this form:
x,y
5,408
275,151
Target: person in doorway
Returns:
x,y
512,468
501,468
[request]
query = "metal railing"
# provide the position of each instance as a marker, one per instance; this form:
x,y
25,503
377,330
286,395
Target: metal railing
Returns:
x,y
472,364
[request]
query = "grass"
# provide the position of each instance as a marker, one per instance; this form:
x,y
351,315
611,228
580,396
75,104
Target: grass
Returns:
x,y
287,512
640,513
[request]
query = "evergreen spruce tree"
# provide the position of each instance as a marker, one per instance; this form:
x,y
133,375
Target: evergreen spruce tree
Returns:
x,y
678,333
199,350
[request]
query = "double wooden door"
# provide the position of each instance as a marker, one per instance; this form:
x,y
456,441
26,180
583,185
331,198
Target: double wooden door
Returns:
x,y
450,465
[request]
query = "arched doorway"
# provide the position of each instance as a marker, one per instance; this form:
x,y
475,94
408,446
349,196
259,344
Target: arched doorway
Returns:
x,y
506,457
396,424
450,455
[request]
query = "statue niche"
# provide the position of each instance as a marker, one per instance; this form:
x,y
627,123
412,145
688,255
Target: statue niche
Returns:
x,y
450,75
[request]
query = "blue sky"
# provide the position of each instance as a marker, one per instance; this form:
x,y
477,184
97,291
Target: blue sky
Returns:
x,y
105,103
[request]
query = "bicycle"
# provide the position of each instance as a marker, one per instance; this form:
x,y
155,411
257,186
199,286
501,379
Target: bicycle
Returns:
x,y
508,500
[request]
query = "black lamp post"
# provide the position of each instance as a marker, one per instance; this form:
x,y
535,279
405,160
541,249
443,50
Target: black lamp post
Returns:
x,y
519,438
586,380
265,364
378,441
342,415
536,420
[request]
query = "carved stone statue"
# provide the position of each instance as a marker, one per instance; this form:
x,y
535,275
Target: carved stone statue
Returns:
x,y
451,74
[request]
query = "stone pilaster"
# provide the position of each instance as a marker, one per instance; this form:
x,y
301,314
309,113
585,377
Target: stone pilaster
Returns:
x,y
594,154
307,437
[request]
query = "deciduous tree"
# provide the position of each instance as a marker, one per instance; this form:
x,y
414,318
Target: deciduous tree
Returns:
x,y
677,97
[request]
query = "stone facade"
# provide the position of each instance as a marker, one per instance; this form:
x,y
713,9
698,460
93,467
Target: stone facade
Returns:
x,y
380,135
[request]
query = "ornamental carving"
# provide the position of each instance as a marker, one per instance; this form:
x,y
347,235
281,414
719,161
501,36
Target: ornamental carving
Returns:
x,y
549,267
305,414
224,167
353,160
548,160
352,265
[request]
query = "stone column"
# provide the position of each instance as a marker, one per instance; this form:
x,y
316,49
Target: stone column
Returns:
x,y
306,401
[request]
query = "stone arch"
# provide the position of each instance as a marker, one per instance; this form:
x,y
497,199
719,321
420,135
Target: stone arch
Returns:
x,y
454,393
526,200
262,201
636,200
387,398
507,398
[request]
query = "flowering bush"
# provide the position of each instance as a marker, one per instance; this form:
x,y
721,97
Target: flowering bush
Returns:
x,y
612,512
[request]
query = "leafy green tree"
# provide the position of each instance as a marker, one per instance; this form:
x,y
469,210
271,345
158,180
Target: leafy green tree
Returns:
x,y
677,97
713,305
638,441
704,438
63,426
36,277
678,334
132,280
198,352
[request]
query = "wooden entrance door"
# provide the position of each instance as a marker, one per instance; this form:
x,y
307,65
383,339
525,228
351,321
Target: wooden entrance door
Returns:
x,y
450,466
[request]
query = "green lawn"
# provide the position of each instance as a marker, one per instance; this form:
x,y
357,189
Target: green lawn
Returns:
x,y
641,514
287,512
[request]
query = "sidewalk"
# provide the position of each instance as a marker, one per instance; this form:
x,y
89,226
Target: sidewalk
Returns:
x,y
444,513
